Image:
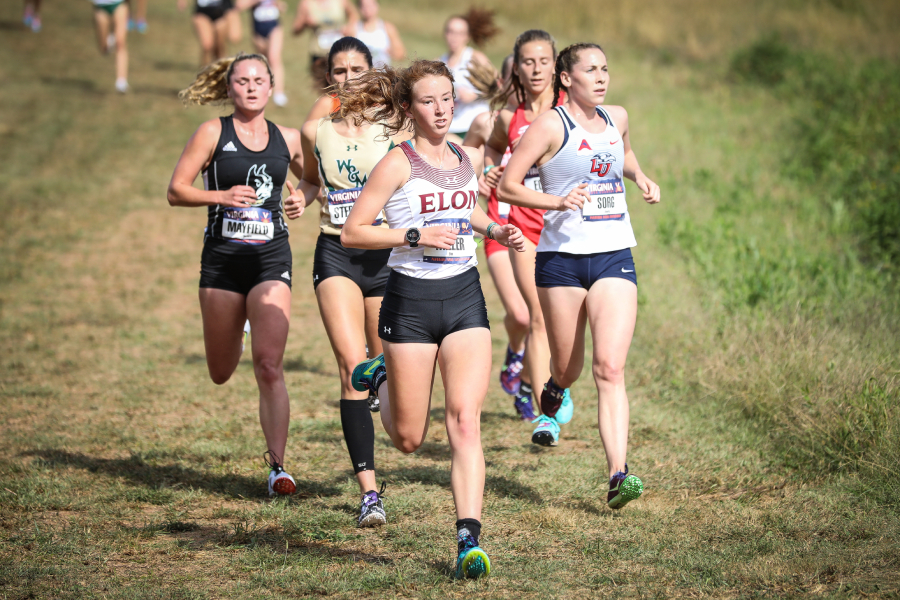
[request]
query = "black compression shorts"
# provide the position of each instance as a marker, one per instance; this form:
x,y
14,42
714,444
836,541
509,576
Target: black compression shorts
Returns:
x,y
366,268
428,310
241,272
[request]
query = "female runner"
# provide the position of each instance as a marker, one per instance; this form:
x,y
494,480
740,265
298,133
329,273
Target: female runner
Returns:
x,y
328,21
433,311
516,320
476,26
268,38
534,54
584,265
111,26
381,37
245,269
210,26
349,284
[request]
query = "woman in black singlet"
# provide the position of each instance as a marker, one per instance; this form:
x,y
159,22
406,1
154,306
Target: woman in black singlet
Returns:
x,y
245,269
211,27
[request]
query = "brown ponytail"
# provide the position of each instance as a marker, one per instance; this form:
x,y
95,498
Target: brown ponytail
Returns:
x,y
515,85
565,62
481,25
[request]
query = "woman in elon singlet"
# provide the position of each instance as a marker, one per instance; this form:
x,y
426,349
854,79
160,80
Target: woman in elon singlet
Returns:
x,y
339,154
428,190
584,265
245,268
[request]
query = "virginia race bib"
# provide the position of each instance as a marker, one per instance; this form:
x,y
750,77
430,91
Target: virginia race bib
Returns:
x,y
340,202
248,225
607,201
461,252
266,12
533,180
503,209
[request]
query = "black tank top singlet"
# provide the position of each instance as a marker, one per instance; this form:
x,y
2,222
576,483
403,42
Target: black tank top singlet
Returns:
x,y
251,228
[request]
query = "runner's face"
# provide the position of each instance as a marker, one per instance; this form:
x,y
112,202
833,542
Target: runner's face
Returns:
x,y
250,85
589,77
368,9
432,105
535,66
456,34
347,65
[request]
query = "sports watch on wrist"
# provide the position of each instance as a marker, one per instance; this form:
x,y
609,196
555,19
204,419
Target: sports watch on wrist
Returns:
x,y
413,236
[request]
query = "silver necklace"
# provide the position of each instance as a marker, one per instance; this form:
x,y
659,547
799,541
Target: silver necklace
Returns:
x,y
425,158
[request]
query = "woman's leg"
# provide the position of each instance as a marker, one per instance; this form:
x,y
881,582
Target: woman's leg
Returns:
x,y
516,319
269,311
233,20
406,394
206,35
276,42
612,311
220,43
224,314
343,311
102,23
537,350
465,362
373,308
120,17
565,334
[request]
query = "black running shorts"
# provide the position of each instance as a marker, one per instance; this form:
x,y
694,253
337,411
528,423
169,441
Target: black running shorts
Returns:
x,y
366,268
222,269
426,311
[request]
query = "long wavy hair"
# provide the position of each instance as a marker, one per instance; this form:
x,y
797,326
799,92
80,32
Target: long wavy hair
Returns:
x,y
210,86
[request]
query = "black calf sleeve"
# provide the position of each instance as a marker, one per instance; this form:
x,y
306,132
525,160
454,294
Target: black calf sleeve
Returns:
x,y
359,433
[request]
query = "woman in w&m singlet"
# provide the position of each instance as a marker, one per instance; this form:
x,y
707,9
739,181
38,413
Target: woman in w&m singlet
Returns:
x,y
584,264
340,153
381,37
111,27
433,314
534,54
245,268
476,26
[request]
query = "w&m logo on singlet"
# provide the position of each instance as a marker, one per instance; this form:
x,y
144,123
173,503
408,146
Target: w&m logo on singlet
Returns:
x,y
259,180
352,172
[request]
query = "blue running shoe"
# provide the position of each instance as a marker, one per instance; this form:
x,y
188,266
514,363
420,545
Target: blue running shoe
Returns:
x,y
623,488
369,374
566,409
523,404
547,431
511,373
473,562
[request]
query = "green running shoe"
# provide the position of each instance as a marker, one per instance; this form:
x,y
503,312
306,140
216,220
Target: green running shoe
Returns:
x,y
369,374
623,488
473,562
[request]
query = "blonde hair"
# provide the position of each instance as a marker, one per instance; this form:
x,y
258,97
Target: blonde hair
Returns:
x,y
489,83
210,86
385,94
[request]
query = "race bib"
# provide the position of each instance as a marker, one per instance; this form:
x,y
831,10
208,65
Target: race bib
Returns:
x,y
340,202
533,180
266,12
208,3
607,201
462,251
503,209
248,225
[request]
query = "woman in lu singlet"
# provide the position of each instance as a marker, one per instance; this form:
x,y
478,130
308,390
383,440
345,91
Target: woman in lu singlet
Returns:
x,y
328,21
584,267
111,27
211,28
379,36
433,313
268,38
534,54
245,269
498,92
340,154
476,26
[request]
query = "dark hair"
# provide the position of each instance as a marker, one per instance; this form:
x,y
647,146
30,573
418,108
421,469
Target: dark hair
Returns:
x,y
348,44
385,94
481,25
566,61
515,85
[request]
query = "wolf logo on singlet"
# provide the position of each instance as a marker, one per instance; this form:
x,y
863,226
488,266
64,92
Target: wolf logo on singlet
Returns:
x,y
603,225
435,197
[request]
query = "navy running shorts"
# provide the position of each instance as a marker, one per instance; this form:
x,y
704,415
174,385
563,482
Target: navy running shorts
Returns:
x,y
561,269
425,311
366,268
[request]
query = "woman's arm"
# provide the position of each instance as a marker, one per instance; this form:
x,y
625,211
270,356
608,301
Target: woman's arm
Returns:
x,y
387,177
321,108
397,50
495,147
302,20
542,140
196,156
631,169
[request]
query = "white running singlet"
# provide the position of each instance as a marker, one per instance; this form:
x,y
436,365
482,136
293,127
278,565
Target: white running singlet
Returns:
x,y
603,224
430,197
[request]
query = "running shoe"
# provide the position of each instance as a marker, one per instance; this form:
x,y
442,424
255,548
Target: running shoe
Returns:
x,y
374,402
141,26
121,85
552,398
511,373
369,374
623,488
523,405
36,24
473,562
246,335
547,431
371,509
280,99
28,16
280,483
566,409
131,25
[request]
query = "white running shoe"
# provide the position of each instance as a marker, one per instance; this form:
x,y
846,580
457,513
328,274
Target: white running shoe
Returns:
x,y
280,99
121,85
111,42
280,483
246,335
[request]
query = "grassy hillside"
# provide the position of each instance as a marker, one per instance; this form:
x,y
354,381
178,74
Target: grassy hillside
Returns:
x,y
763,376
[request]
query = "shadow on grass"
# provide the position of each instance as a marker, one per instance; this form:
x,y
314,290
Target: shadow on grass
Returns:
x,y
300,364
140,473
82,85
504,487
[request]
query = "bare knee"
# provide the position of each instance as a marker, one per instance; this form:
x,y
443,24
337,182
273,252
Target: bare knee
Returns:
x,y
519,320
464,428
606,371
219,376
407,444
268,371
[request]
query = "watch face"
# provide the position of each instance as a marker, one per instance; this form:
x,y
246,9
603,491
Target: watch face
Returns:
x,y
413,235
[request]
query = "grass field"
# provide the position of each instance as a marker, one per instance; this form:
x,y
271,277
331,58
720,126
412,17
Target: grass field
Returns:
x,y
763,377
